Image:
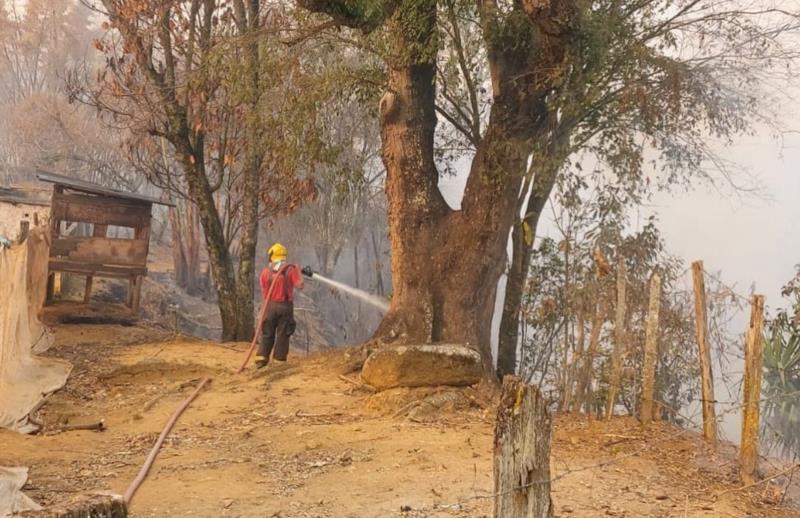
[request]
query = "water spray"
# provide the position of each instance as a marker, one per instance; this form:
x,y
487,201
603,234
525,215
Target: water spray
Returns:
x,y
373,300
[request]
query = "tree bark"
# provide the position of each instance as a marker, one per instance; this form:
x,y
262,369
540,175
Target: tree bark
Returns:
x,y
572,370
219,258
195,283
248,23
523,235
355,263
178,253
585,378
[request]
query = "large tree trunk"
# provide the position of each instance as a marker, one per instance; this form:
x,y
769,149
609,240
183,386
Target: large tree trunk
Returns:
x,y
191,242
218,256
515,285
248,243
247,24
523,236
446,263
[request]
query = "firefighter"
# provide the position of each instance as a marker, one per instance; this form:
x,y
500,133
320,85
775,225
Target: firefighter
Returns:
x,y
278,281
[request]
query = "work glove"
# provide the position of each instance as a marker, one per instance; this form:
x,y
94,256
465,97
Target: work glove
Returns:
x,y
307,271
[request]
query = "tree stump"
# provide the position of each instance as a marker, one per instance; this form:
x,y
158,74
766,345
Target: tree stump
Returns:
x,y
522,453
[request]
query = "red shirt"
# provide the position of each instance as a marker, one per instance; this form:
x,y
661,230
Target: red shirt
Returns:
x,y
281,293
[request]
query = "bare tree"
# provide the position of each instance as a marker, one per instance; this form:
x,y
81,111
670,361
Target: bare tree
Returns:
x,y
194,74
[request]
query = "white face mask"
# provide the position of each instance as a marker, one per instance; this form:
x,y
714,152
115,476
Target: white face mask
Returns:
x,y
276,265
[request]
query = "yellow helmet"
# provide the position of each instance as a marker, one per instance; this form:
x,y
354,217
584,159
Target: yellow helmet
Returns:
x,y
276,252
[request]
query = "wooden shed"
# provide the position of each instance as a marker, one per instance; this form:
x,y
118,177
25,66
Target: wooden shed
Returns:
x,y
98,255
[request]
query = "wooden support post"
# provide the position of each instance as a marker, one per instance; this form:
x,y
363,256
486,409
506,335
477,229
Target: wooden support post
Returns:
x,y
753,368
136,293
131,286
619,339
57,278
522,453
650,350
87,290
55,229
706,374
99,231
51,283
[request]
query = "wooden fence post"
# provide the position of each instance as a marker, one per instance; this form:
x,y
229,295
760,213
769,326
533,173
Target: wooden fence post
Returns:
x,y
650,349
522,453
619,339
706,375
753,368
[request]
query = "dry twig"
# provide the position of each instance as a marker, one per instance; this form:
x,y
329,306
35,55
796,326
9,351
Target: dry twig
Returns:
x,y
754,484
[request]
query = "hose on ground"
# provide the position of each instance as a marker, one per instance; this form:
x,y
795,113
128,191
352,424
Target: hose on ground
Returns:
x,y
157,447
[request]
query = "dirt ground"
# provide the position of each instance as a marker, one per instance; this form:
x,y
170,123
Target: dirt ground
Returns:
x,y
300,441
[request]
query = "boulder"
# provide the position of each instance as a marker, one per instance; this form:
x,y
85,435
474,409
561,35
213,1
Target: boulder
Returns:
x,y
422,366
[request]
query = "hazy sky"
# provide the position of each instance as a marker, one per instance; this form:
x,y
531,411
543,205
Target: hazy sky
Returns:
x,y
749,238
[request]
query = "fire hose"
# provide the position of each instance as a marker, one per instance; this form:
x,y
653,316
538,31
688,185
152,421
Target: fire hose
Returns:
x,y
262,314
151,457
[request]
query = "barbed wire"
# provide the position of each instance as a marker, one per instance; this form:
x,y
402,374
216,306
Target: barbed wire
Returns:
x,y
550,480
680,431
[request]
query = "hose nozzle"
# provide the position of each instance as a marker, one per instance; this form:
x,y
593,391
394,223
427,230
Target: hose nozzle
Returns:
x,y
307,271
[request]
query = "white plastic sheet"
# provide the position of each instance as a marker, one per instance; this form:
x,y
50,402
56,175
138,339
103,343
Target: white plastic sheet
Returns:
x,y
25,379
12,499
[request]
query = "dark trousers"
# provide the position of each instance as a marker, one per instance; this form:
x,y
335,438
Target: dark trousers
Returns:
x,y
278,327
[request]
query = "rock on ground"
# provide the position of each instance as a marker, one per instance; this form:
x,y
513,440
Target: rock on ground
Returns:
x,y
422,366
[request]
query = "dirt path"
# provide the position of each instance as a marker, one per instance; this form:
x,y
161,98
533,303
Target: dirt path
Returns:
x,y
301,442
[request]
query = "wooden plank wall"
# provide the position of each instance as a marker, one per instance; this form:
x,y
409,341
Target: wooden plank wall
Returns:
x,y
100,255
93,253
100,211
101,250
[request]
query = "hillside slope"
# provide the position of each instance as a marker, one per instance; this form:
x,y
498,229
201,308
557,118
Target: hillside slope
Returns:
x,y
300,441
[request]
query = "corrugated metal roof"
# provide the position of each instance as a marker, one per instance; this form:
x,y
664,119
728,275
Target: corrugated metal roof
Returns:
x,y
93,188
